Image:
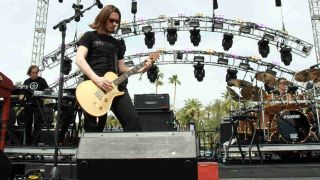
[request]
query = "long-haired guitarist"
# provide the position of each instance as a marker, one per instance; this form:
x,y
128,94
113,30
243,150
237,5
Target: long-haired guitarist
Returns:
x,y
99,53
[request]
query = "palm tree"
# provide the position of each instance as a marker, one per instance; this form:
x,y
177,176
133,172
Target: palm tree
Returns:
x,y
158,81
175,81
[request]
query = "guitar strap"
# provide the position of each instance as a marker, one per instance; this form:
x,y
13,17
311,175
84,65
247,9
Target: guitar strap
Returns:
x,y
116,63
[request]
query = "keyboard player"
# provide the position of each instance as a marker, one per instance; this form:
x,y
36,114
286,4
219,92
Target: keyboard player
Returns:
x,y
32,112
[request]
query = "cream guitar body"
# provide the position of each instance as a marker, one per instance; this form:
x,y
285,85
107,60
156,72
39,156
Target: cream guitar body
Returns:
x,y
94,100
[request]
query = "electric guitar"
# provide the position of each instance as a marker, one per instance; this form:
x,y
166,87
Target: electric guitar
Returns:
x,y
96,101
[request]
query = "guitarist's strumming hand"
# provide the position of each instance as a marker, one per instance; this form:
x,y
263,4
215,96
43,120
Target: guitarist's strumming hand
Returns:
x,y
104,84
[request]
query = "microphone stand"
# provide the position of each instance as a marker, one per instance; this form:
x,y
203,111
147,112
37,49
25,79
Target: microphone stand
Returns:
x,y
55,172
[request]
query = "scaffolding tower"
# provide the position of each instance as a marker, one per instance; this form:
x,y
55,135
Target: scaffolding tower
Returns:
x,y
39,36
314,6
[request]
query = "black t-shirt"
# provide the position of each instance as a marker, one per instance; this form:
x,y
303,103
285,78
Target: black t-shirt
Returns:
x,y
38,84
102,50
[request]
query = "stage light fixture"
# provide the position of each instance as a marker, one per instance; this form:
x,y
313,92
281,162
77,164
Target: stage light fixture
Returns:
x,y
54,58
306,49
223,61
245,29
227,41
149,39
152,73
286,56
198,59
126,30
245,65
179,55
217,25
195,36
268,37
146,29
264,48
67,65
176,22
172,35
231,74
194,23
199,71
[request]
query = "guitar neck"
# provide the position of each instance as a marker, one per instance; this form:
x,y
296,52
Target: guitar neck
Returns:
x,y
127,74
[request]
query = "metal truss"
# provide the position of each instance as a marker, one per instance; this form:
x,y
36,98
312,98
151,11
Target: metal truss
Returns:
x,y
314,6
39,36
241,63
186,23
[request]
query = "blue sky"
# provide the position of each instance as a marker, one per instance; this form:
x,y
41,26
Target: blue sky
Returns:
x,y
18,25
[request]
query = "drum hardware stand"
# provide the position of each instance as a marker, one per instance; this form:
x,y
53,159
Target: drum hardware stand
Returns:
x,y
316,108
262,109
55,173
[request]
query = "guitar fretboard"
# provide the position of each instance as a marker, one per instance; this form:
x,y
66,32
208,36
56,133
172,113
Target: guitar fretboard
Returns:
x,y
127,74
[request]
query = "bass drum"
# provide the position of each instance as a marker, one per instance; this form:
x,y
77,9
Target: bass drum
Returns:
x,y
293,126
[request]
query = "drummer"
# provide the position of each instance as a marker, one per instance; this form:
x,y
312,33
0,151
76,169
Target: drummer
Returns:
x,y
282,87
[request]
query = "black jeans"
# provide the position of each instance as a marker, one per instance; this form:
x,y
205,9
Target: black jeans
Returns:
x,y
32,117
123,109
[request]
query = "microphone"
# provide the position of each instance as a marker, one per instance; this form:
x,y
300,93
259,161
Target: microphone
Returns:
x,y
215,4
134,7
278,3
99,4
60,1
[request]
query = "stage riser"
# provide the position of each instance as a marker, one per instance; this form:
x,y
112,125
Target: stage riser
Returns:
x,y
270,171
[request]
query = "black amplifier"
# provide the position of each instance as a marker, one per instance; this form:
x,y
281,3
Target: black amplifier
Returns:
x,y
152,101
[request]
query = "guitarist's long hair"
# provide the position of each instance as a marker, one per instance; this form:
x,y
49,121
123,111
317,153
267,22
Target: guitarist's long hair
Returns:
x,y
102,17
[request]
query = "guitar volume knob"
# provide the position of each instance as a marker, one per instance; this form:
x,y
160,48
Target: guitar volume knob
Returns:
x,y
105,99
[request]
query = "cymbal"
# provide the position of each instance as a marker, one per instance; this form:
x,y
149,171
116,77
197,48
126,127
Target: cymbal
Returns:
x,y
239,83
235,96
265,77
307,75
253,93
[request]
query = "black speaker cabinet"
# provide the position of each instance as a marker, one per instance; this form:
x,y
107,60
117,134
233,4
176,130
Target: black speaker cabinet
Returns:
x,y
225,131
153,120
143,156
5,166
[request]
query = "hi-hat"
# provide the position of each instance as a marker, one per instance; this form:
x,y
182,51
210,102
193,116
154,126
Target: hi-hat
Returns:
x,y
307,75
239,83
235,96
253,93
266,77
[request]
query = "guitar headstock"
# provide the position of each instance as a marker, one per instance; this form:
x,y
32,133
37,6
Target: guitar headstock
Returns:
x,y
154,56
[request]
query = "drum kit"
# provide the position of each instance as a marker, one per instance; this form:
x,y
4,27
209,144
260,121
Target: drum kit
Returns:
x,y
291,117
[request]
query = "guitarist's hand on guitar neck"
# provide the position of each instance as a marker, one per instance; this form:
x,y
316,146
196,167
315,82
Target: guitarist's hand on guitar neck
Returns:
x,y
103,83
148,62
